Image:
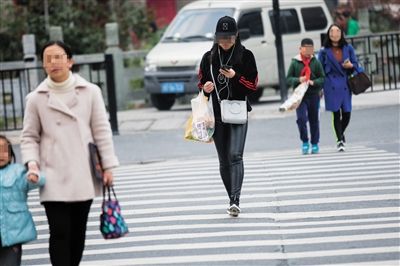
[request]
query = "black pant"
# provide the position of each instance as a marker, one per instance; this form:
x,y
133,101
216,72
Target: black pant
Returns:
x,y
10,256
229,141
67,224
340,122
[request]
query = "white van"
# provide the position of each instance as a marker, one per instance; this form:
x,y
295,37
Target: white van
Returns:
x,y
172,65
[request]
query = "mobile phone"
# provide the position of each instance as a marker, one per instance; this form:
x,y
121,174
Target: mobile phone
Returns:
x,y
226,67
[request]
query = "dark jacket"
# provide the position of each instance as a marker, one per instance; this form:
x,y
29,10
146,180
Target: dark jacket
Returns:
x,y
241,85
317,75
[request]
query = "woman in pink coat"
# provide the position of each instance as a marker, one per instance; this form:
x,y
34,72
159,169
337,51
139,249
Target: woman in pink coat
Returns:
x,y
62,115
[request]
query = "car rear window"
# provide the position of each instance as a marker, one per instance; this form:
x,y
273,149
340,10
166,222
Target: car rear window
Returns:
x,y
314,18
288,20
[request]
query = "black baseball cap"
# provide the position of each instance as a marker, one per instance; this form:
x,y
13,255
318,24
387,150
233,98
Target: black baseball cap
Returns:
x,y
226,26
307,41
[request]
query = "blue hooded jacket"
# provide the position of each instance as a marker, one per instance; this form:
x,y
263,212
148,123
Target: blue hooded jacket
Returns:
x,y
16,223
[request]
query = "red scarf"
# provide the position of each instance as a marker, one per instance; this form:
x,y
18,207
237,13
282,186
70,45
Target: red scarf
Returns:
x,y
306,71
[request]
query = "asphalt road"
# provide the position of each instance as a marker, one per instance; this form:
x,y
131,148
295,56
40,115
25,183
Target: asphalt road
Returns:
x,y
372,127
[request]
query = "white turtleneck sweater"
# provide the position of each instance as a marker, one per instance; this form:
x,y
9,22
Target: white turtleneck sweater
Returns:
x,y
65,90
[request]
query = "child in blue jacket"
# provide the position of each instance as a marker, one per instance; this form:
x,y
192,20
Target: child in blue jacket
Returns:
x,y
16,223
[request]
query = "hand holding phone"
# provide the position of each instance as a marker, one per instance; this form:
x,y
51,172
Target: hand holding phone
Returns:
x,y
347,64
226,67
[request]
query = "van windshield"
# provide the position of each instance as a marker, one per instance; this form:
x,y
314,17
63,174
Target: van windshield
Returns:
x,y
195,25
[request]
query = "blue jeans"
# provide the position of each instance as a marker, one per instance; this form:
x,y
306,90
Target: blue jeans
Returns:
x,y
308,111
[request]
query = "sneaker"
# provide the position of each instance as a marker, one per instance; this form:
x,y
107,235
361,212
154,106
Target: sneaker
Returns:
x,y
305,147
315,149
233,210
340,146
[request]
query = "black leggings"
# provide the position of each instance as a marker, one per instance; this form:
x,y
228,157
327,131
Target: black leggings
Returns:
x,y
340,122
229,141
67,224
10,256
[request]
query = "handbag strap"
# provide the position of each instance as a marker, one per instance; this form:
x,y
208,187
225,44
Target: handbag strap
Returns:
x,y
215,84
109,189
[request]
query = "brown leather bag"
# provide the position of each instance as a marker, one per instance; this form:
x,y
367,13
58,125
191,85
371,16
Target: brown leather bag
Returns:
x,y
359,83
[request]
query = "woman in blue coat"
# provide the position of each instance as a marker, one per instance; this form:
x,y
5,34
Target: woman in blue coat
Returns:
x,y
16,223
339,62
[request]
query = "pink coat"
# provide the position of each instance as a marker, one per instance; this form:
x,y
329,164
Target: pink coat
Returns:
x,y
57,136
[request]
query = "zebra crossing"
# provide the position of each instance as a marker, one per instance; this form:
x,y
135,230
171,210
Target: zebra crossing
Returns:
x,y
326,209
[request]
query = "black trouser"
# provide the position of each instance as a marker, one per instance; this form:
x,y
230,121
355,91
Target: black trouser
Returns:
x,y
10,256
67,224
229,141
340,122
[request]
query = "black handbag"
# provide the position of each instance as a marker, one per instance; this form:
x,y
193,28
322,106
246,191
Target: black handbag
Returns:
x,y
359,83
95,162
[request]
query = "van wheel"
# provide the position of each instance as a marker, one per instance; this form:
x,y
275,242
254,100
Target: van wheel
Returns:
x,y
255,97
162,101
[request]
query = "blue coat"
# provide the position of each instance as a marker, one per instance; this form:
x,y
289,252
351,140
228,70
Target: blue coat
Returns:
x,y
16,223
337,93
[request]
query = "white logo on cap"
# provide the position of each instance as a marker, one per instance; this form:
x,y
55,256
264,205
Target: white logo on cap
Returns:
x,y
225,26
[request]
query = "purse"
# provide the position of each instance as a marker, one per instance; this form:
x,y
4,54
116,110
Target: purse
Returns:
x,y
112,224
95,162
359,83
232,111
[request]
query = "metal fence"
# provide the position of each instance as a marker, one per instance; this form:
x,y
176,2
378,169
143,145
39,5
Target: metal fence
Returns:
x,y
379,54
17,79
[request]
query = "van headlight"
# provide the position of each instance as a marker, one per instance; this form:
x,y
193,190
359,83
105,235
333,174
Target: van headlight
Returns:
x,y
150,67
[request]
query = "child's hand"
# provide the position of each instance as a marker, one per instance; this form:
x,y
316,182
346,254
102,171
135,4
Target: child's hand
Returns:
x,y
33,178
310,82
302,79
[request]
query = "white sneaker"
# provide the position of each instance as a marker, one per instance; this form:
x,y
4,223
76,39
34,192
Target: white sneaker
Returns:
x,y
340,146
233,210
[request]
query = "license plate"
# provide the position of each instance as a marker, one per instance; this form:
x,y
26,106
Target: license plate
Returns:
x,y
172,87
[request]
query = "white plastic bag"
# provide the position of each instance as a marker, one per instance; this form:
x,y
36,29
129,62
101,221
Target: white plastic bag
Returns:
x,y
203,121
295,99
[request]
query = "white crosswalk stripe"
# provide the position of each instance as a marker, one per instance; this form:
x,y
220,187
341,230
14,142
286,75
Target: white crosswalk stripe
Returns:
x,y
325,209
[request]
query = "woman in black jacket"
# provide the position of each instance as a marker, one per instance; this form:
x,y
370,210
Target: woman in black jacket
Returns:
x,y
235,74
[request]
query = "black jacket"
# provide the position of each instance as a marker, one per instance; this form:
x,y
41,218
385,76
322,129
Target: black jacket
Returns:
x,y
241,85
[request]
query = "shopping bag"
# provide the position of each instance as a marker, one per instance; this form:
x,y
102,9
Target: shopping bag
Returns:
x,y
359,83
201,124
112,224
295,99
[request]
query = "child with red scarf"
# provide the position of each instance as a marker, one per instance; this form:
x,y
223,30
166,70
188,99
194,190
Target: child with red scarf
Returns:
x,y
306,68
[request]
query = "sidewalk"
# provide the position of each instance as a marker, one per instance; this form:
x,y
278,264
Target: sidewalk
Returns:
x,y
150,119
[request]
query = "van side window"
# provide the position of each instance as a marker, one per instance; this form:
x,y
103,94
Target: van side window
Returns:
x,y
314,18
253,22
288,20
